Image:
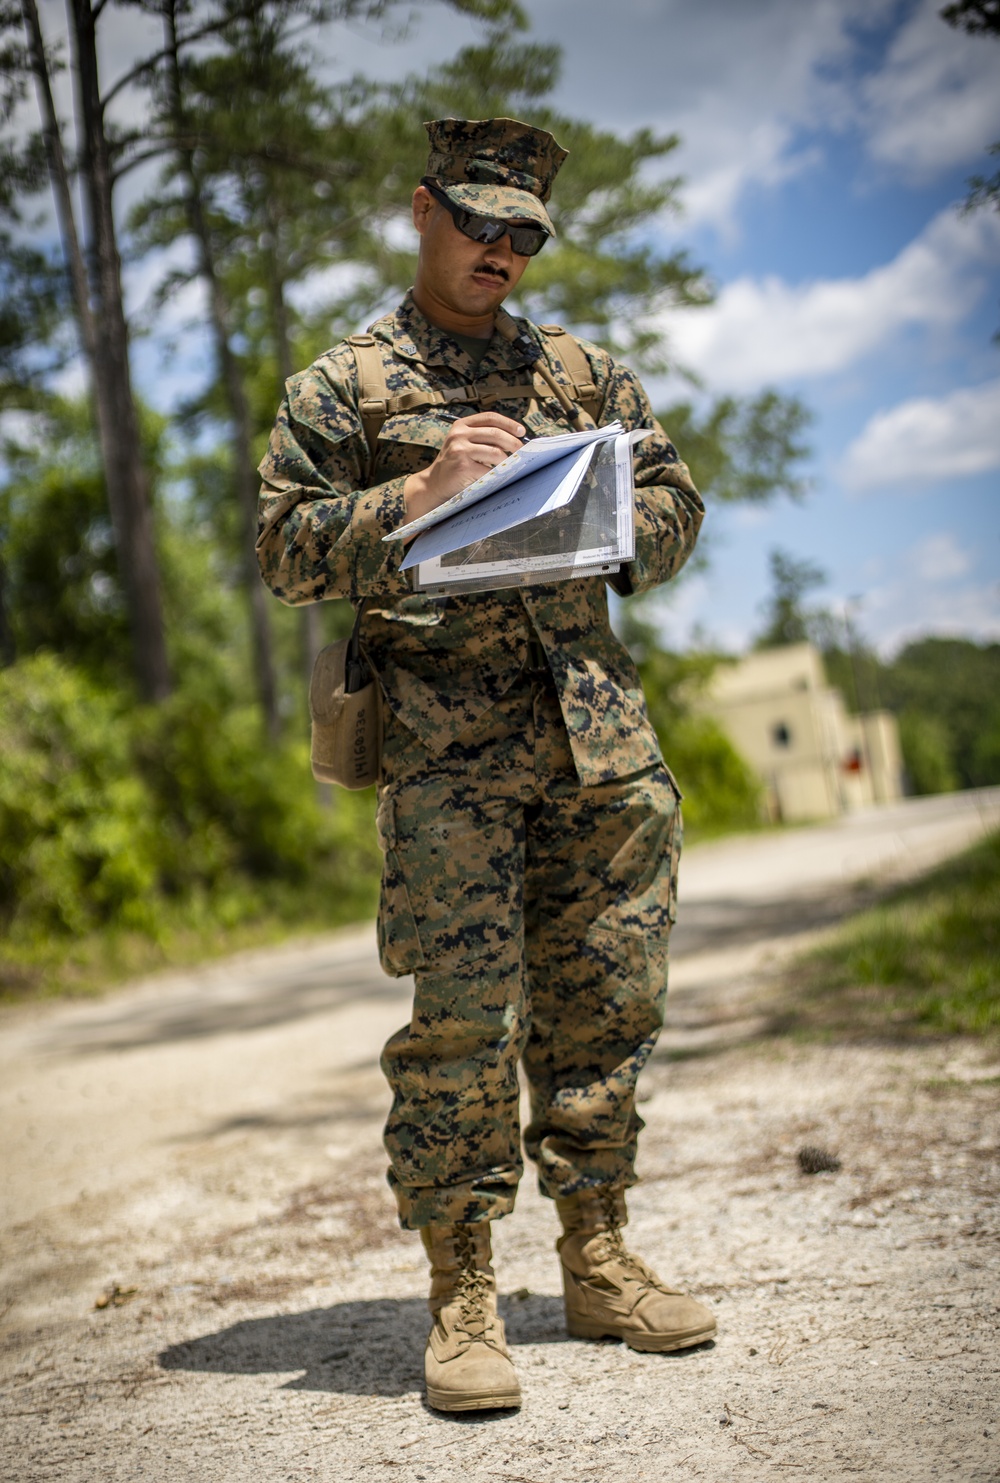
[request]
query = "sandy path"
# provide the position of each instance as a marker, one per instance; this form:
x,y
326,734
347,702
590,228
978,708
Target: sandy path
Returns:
x,y
212,1140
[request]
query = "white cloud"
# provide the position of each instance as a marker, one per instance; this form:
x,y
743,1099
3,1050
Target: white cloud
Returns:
x,y
971,613
765,330
938,558
751,88
739,136
936,102
927,439
763,159
931,592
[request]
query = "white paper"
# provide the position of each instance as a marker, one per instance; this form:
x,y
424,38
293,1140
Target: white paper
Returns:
x,y
541,550
534,454
532,495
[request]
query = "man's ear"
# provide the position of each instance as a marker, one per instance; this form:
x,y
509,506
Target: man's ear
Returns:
x,y
423,208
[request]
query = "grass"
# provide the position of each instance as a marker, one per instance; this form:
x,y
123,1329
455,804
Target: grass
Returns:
x,y
43,967
925,961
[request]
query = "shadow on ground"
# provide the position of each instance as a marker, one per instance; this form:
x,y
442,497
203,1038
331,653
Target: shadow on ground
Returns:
x,y
265,999
373,1347
259,1003
731,922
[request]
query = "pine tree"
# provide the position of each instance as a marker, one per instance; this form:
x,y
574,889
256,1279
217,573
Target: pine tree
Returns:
x,y
93,265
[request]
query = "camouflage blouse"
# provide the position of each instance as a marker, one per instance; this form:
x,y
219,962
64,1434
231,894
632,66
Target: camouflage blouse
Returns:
x,y
443,661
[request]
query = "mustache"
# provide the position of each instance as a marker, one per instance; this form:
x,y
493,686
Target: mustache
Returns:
x,y
496,272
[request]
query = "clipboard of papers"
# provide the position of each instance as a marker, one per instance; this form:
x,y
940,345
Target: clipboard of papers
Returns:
x,y
558,508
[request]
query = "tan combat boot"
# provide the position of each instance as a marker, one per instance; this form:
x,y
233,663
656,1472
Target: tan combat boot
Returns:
x,y
466,1363
610,1292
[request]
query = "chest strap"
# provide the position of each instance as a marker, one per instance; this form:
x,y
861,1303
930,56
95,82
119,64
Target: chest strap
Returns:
x,y
376,405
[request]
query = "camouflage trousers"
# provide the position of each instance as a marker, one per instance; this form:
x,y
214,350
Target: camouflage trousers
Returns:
x,y
534,914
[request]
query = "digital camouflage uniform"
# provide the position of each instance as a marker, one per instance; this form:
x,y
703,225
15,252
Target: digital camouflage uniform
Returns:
x,y
529,826
496,167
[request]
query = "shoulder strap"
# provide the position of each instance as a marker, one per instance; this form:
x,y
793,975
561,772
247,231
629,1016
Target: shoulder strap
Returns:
x,y
373,394
375,403
568,349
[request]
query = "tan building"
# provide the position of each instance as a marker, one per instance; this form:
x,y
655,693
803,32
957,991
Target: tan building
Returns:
x,y
814,758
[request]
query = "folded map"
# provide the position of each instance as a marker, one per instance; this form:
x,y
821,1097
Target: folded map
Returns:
x,y
559,507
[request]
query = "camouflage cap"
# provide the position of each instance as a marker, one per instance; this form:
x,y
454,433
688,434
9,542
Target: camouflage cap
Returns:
x,y
496,166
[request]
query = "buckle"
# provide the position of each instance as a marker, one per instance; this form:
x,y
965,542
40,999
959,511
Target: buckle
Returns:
x,y
536,664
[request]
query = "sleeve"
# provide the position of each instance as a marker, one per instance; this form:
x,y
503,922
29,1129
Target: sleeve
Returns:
x,y
319,529
668,507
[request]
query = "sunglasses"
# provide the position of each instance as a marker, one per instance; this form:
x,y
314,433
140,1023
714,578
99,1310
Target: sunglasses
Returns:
x,y
525,241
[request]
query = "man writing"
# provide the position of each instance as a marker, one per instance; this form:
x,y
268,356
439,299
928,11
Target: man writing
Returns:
x,y
529,827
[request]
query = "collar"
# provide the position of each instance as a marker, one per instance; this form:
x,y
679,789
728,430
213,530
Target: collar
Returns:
x,y
414,338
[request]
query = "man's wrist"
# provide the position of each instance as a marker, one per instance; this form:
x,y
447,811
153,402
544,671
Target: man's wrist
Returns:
x,y
417,496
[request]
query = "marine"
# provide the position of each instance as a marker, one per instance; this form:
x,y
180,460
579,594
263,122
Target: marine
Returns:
x,y
529,826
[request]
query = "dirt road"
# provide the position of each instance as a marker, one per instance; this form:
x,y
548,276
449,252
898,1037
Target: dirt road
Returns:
x,y
201,1156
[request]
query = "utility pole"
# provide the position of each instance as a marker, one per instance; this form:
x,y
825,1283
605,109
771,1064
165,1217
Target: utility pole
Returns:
x,y
853,604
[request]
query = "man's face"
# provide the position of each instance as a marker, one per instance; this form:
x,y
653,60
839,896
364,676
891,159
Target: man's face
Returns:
x,y
467,278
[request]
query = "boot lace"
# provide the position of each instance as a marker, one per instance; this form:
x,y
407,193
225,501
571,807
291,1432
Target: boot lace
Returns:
x,y
609,1246
472,1284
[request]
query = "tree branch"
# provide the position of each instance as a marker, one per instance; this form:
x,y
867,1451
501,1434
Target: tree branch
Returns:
x,y
141,158
148,64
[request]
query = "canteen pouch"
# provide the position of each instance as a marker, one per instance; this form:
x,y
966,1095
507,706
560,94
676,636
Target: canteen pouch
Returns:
x,y
345,706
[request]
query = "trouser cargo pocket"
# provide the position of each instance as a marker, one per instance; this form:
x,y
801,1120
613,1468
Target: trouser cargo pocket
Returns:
x,y
399,948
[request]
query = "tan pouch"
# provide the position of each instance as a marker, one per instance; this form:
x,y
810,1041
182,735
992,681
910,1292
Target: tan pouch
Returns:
x,y
345,705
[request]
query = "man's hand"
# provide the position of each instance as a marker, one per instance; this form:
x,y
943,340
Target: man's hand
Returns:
x,y
473,445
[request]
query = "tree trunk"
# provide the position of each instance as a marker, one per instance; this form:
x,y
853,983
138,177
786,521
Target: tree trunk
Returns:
x,y
239,411
59,175
109,350
311,632
8,649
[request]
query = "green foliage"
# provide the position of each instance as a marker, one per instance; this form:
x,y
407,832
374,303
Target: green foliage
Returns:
x,y
927,959
34,314
926,748
946,694
62,588
958,683
984,190
786,618
119,819
743,451
720,791
977,17
77,836
855,673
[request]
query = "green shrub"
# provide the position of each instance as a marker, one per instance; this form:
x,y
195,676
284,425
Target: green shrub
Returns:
x,y
145,820
926,960
926,748
721,791
77,838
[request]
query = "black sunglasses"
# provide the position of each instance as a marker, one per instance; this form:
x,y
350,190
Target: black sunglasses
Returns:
x,y
525,241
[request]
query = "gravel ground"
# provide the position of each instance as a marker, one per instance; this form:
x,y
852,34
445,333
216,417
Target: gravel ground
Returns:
x,y
203,1278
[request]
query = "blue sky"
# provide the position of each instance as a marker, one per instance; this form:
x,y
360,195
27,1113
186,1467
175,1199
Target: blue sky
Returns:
x,y
825,147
